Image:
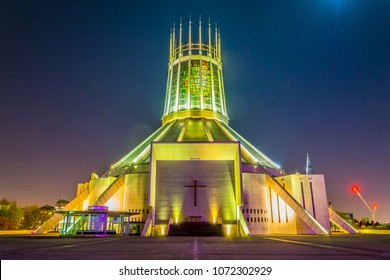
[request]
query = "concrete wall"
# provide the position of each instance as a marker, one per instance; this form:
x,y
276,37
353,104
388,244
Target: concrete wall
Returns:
x,y
175,201
115,203
282,217
96,188
135,196
255,203
310,192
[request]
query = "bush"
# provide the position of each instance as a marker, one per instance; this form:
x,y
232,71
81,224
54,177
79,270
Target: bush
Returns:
x,y
7,224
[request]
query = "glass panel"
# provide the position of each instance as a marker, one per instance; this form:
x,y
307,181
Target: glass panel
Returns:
x,y
206,85
195,84
216,88
167,94
183,94
172,102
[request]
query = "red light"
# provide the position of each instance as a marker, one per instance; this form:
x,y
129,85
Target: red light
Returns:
x,y
355,189
375,206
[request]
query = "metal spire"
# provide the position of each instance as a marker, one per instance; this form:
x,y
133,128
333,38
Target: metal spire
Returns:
x,y
209,38
219,43
309,168
200,35
170,46
189,37
174,40
180,40
216,41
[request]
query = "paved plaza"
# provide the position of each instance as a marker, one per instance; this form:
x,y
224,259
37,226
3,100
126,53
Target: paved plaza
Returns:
x,y
270,247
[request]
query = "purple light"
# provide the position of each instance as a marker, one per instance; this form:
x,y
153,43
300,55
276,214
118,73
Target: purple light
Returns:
x,y
98,207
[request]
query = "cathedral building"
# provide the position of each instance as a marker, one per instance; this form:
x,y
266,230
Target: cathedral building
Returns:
x,y
196,175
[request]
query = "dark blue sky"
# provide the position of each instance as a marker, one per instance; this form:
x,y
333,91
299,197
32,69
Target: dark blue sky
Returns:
x,y
82,82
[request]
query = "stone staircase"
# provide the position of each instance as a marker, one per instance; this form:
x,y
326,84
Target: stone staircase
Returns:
x,y
195,229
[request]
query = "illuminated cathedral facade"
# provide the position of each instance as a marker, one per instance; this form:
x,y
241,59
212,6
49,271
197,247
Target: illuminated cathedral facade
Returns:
x,y
196,175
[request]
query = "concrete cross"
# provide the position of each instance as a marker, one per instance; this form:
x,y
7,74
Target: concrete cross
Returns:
x,y
195,186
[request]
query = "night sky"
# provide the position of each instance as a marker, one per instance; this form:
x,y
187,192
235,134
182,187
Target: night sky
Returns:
x,y
83,82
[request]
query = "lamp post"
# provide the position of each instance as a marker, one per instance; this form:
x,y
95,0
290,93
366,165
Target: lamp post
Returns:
x,y
373,210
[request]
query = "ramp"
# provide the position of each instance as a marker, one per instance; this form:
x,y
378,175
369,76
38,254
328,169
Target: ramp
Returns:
x,y
147,230
102,199
295,205
110,190
56,218
340,222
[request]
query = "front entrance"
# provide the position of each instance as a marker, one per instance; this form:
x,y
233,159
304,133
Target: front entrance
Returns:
x,y
194,191
194,185
195,219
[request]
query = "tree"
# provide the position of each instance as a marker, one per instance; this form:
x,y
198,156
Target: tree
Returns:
x,y
7,224
10,214
15,213
30,217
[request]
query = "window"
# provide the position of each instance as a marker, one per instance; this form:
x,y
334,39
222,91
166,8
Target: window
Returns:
x,y
251,211
303,196
206,85
216,87
184,86
312,200
195,84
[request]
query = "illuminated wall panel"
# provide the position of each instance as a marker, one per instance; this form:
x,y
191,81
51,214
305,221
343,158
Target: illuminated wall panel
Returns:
x,y
255,203
206,86
172,100
298,185
195,84
217,91
184,86
173,200
135,197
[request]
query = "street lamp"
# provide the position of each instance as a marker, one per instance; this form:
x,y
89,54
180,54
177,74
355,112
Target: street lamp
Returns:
x,y
373,210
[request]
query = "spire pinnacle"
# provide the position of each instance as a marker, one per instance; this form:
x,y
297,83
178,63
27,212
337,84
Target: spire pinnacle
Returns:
x,y
209,34
173,37
216,41
200,35
170,46
309,167
189,36
180,40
